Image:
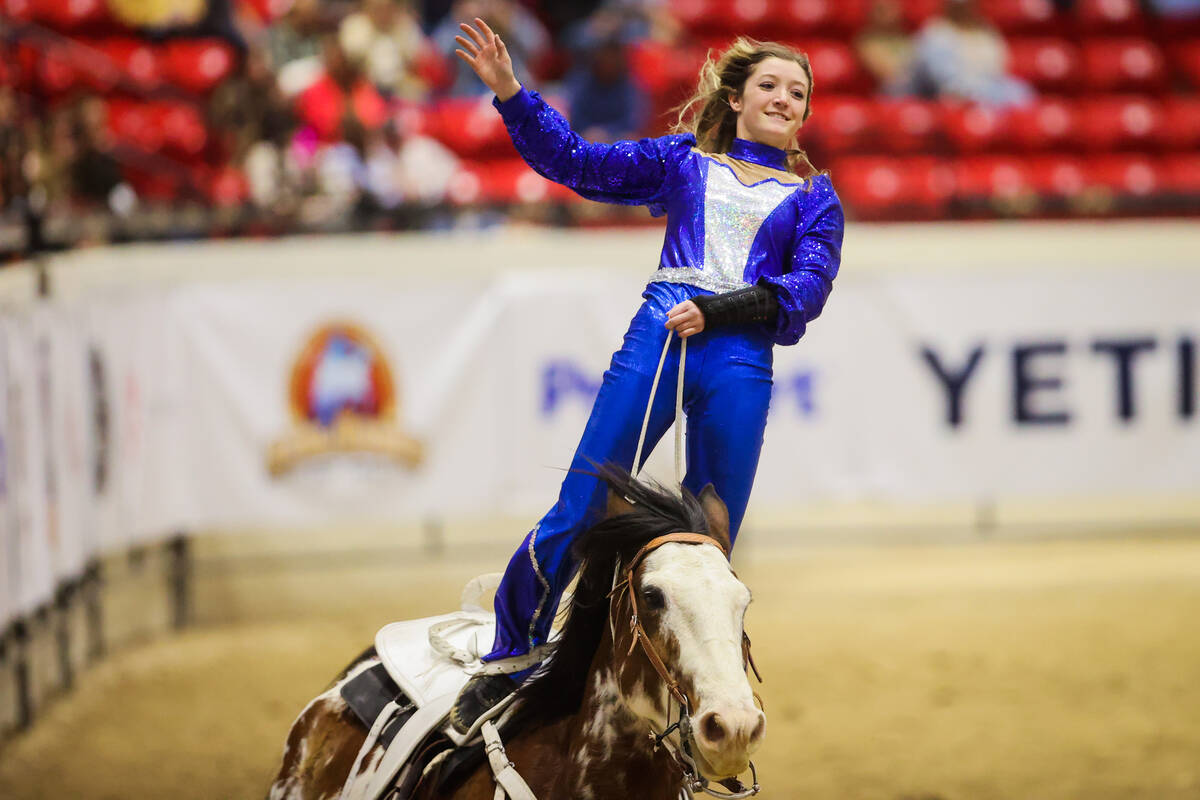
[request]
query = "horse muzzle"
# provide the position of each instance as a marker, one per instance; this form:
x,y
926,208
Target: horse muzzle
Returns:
x,y
725,739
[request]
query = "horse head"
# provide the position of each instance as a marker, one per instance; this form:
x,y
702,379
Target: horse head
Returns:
x,y
682,649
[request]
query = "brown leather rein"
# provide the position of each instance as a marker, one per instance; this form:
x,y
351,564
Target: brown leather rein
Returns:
x,y
635,622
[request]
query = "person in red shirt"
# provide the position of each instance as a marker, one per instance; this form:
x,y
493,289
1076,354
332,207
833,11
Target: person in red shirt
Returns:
x,y
342,94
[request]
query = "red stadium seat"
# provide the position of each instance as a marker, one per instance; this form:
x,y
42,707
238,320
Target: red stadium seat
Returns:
x,y
1049,64
1181,178
1185,60
470,128
876,188
1133,175
154,185
135,123
69,15
1113,123
915,12
503,181
872,188
699,15
977,129
987,185
1049,124
226,186
746,17
843,125
835,67
1109,17
138,63
1126,64
18,10
198,65
820,17
1181,123
182,126
1021,16
1058,176
56,69
909,126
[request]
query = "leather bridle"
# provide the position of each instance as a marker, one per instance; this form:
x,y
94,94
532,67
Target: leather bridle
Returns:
x,y
693,781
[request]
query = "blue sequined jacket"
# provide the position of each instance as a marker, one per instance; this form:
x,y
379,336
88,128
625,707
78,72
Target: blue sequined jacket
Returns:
x,y
733,219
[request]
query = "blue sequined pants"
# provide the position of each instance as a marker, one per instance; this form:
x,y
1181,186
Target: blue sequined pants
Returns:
x,y
727,390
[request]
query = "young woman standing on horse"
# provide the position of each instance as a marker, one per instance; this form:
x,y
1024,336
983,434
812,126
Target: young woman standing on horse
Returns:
x,y
750,254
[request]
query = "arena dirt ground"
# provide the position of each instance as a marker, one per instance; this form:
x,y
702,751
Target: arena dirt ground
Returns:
x,y
1024,671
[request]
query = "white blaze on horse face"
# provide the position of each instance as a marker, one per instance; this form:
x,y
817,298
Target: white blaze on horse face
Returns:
x,y
704,612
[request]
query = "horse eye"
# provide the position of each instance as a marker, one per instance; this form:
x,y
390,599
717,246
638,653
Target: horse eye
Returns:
x,y
654,599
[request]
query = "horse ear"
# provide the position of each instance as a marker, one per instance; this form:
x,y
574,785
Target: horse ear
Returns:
x,y
617,504
717,515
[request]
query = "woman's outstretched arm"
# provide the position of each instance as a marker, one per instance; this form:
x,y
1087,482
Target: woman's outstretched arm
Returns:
x,y
632,173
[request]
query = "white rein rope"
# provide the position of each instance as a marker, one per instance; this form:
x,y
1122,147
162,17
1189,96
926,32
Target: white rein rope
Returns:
x,y
637,457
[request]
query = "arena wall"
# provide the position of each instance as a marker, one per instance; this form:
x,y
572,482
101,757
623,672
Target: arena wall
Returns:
x,y
1003,380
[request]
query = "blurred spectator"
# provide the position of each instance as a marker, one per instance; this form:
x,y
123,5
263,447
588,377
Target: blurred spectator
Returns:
x,y
96,172
631,20
1175,9
385,37
425,166
250,106
524,36
12,148
959,55
294,45
341,99
341,173
605,102
886,49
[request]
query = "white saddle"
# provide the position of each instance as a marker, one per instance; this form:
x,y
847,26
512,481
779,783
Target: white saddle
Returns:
x,y
431,659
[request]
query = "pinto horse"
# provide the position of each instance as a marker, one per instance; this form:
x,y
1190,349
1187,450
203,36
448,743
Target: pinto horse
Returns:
x,y
604,718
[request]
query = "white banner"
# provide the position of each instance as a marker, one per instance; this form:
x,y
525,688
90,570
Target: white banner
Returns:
x,y
64,403
913,388
289,388
10,564
32,538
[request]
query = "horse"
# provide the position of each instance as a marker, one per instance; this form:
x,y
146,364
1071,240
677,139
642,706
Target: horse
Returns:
x,y
595,721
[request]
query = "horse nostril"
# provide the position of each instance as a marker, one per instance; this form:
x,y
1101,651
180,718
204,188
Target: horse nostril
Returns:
x,y
711,727
757,734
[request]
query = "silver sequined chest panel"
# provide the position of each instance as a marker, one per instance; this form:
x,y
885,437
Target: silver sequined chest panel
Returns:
x,y
733,213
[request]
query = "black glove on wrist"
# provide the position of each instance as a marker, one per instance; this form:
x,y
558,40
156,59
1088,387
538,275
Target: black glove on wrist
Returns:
x,y
752,304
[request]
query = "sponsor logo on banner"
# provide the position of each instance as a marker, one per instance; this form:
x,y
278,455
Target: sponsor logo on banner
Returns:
x,y
343,401
1038,372
564,380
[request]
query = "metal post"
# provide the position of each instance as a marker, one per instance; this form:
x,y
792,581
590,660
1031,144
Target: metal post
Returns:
x,y
21,674
62,634
93,581
179,580
985,518
7,725
435,536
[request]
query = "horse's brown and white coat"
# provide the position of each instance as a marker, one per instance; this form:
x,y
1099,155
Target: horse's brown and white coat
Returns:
x,y
602,751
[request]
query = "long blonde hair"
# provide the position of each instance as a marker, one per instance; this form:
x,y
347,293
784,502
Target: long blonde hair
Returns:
x,y
707,114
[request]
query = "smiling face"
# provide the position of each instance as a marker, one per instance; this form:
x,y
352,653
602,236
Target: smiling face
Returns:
x,y
772,104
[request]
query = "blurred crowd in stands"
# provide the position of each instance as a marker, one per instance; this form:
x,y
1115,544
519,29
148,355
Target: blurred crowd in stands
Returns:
x,y
127,120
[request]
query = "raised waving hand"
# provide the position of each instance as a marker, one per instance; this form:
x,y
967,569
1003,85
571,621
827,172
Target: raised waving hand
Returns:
x,y
488,56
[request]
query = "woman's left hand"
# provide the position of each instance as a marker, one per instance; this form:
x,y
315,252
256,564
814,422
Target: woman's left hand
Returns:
x,y
685,319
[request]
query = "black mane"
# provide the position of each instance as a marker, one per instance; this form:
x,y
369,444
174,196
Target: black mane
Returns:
x,y
557,689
